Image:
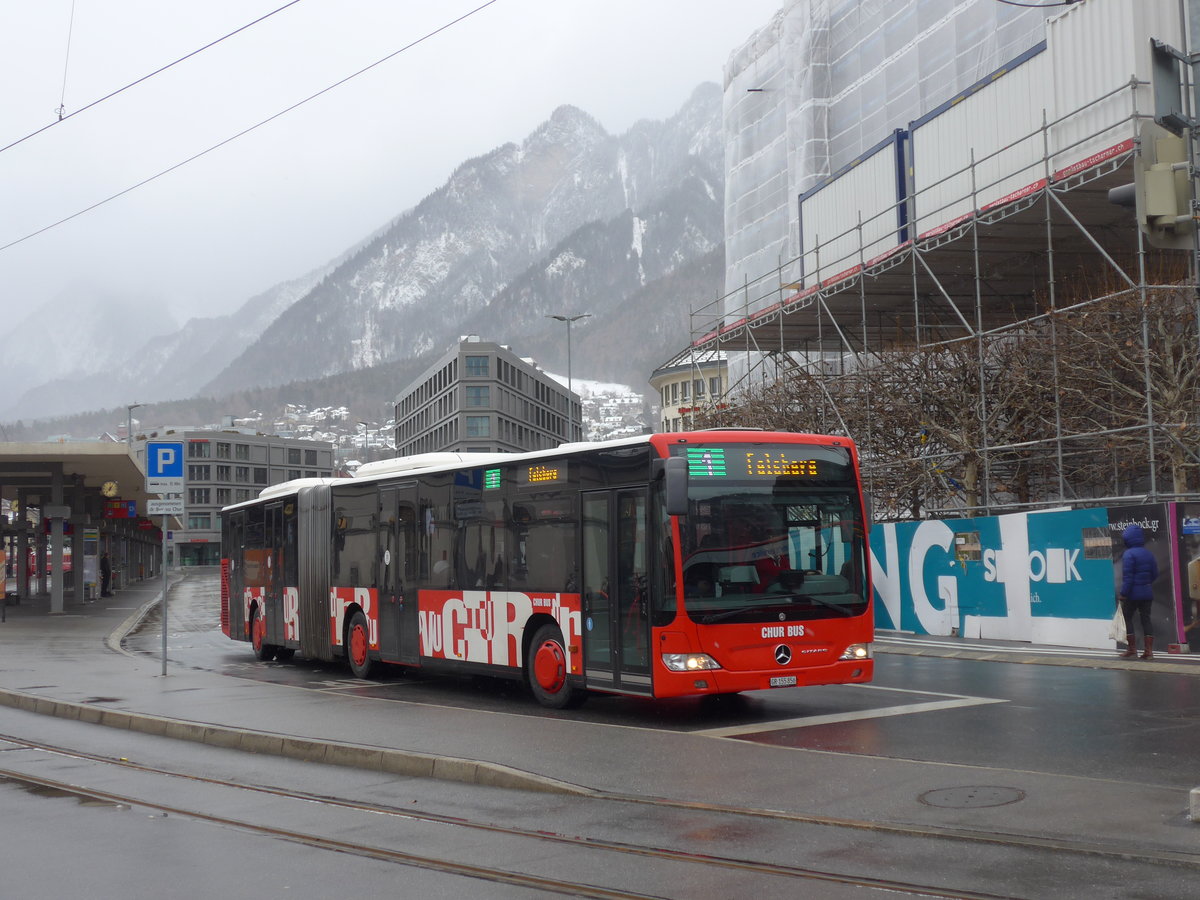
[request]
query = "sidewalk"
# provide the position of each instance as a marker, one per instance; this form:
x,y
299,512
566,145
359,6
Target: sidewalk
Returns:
x,y
1030,654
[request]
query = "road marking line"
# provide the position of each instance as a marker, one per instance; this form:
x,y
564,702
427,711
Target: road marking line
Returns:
x,y
907,709
900,690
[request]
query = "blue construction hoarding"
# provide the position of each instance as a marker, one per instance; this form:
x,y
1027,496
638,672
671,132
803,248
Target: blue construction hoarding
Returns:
x,y
1049,577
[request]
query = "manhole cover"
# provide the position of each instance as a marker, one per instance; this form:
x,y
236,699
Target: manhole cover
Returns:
x,y
975,797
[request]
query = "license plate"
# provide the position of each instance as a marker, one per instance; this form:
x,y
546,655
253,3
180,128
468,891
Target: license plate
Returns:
x,y
783,681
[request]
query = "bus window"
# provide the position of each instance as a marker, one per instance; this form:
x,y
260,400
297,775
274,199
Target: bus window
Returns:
x,y
438,532
753,553
481,544
354,538
544,536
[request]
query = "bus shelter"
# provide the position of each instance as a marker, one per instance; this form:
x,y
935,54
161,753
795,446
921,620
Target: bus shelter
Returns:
x,y
65,506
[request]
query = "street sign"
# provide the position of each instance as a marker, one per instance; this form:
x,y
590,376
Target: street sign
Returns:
x,y
165,507
164,468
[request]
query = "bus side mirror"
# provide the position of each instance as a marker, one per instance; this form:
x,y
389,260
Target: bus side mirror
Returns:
x,y
674,472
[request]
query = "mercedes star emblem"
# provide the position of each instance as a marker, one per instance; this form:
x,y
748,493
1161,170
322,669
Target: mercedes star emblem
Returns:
x,y
783,654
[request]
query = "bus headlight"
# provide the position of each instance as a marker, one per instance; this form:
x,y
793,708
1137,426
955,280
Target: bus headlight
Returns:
x,y
689,662
857,651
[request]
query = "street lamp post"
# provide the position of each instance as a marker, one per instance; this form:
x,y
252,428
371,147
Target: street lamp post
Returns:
x,y
569,320
129,424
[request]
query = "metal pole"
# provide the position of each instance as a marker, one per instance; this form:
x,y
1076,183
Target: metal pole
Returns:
x,y
164,595
129,424
570,384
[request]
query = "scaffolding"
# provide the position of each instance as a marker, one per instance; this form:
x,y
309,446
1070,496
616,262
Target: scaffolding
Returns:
x,y
993,272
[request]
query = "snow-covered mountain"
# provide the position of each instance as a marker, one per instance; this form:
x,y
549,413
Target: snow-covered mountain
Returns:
x,y
572,219
571,216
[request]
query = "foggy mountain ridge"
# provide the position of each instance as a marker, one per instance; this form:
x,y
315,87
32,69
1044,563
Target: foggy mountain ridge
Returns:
x,y
570,220
172,363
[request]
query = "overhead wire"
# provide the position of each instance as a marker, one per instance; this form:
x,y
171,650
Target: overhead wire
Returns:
x,y
158,71
246,131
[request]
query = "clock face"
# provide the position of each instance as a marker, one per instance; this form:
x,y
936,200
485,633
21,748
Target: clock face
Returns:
x,y
109,489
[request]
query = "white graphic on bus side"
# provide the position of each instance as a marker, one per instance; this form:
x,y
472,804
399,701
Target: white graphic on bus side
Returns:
x,y
487,626
340,598
291,614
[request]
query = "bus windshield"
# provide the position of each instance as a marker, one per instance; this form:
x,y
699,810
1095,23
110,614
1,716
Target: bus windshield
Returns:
x,y
771,550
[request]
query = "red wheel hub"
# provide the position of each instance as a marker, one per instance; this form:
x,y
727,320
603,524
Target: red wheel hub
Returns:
x,y
550,667
358,645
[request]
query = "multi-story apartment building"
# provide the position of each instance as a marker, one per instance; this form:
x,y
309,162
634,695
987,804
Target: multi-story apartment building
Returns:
x,y
482,397
223,467
688,383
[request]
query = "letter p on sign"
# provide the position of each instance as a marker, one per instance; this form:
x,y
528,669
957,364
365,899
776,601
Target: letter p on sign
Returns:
x,y
164,459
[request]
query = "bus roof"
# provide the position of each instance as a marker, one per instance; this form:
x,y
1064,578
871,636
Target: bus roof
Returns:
x,y
422,463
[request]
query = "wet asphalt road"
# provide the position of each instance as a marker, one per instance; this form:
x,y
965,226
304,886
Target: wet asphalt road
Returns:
x,y
1120,724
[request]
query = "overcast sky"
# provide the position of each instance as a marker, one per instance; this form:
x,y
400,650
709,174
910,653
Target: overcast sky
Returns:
x,y
294,193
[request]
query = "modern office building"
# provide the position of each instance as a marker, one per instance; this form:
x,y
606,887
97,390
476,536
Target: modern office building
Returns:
x,y
223,467
689,383
480,396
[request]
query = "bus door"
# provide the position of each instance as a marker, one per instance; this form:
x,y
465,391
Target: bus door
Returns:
x,y
616,620
398,640
273,593
233,540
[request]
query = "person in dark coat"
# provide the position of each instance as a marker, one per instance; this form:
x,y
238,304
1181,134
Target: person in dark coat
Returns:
x,y
1139,568
105,576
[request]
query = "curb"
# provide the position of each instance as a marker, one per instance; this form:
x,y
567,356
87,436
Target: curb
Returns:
x,y
334,753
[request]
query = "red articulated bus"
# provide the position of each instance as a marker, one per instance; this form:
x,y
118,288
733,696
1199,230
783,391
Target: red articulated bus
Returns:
x,y
667,565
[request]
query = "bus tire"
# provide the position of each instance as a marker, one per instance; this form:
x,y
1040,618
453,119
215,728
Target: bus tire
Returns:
x,y
358,645
546,671
284,654
263,651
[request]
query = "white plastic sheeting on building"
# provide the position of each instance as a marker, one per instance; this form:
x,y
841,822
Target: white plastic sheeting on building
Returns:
x,y
826,80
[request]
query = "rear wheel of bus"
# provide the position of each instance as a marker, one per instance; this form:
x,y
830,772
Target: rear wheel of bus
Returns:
x,y
258,635
358,646
546,671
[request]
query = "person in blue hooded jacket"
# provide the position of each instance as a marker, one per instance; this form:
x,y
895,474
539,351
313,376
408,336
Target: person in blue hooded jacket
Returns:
x,y
1139,568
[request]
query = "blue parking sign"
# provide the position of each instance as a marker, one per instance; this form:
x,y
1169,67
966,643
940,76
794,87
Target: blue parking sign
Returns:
x,y
164,459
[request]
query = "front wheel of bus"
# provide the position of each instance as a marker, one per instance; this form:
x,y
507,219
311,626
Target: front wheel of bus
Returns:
x,y
546,671
358,649
258,636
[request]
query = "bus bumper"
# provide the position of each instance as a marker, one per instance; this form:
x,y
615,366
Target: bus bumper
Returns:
x,y
725,681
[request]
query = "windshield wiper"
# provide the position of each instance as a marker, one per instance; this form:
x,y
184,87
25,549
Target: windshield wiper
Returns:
x,y
727,614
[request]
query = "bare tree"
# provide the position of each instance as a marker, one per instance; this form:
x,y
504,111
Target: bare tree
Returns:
x,y
1068,405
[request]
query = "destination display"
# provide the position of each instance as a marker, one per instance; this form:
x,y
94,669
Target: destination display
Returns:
x,y
543,473
770,461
